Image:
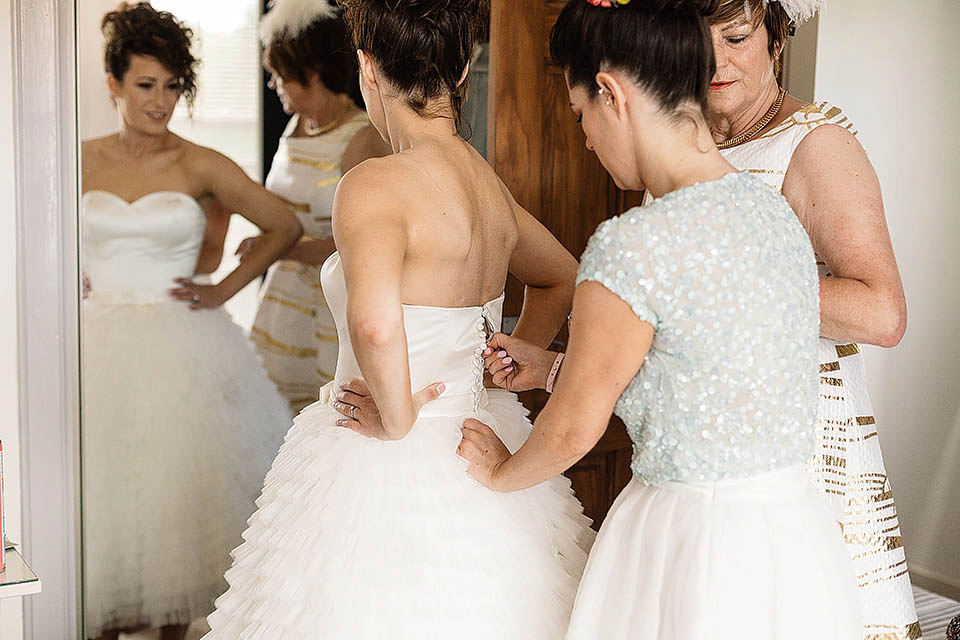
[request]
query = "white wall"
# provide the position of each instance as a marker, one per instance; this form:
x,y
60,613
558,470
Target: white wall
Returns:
x,y
892,66
10,609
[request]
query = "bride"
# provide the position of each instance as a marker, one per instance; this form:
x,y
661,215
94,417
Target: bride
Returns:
x,y
382,533
180,421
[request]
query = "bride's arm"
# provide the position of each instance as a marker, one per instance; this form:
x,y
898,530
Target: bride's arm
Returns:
x,y
227,182
370,232
548,272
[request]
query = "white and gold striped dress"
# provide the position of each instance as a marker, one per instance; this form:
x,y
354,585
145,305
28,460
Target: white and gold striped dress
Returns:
x,y
847,466
294,331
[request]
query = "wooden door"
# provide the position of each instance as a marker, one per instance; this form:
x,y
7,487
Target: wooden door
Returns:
x,y
537,148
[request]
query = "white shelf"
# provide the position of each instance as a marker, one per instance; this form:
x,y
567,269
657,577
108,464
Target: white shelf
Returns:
x,y
17,579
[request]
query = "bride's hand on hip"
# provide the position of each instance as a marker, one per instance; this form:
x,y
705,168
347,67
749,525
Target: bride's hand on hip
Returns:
x,y
483,450
517,365
360,412
200,296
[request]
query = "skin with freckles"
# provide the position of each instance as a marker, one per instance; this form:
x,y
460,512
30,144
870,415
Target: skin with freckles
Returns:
x,y
829,183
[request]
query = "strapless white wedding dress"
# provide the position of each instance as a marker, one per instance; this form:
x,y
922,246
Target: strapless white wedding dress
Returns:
x,y
358,539
179,420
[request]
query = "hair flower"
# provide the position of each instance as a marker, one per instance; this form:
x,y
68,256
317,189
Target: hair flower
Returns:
x,y
607,4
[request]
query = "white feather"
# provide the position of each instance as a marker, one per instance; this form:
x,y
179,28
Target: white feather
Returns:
x,y
800,10
290,17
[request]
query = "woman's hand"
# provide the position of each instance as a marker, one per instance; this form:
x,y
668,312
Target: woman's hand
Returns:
x,y
361,413
517,365
311,250
484,452
200,296
245,247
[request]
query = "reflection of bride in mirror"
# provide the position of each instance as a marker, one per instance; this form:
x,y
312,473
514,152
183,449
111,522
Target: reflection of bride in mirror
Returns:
x,y
313,68
180,422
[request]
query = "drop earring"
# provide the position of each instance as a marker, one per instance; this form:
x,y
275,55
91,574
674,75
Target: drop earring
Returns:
x,y
600,93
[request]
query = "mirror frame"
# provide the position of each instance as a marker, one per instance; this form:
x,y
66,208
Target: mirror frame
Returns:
x,y
45,150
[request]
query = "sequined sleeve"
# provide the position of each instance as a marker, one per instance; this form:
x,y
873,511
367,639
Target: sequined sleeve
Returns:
x,y
617,259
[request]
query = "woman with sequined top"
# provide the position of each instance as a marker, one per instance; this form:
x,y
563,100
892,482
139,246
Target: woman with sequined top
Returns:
x,y
810,153
695,319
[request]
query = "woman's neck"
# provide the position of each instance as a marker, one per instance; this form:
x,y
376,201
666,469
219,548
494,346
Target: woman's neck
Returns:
x,y
685,161
329,111
726,126
137,144
406,128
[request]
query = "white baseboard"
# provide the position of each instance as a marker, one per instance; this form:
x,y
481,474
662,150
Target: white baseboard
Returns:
x,y
936,582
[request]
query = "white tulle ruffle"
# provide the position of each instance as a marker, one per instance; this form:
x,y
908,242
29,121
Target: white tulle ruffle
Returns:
x,y
179,426
359,539
751,559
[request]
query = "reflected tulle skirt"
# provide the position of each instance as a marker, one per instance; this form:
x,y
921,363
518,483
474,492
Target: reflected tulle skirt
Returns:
x,y
359,539
758,558
179,426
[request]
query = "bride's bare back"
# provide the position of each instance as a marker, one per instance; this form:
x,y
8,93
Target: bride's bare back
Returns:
x,y
457,221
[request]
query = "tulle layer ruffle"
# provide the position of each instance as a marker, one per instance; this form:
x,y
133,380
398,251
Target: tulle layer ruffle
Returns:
x,y
357,539
753,559
179,426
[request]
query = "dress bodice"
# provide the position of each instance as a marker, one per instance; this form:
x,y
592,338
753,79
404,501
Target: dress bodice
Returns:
x,y
132,251
444,344
306,170
725,274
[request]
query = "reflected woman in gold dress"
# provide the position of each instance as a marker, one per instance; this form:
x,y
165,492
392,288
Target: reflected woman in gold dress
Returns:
x,y
313,69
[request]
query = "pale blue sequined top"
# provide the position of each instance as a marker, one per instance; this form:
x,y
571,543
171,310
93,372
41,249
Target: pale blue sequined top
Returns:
x,y
726,275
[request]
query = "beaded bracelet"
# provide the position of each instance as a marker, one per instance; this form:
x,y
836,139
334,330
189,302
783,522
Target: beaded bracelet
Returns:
x,y
553,372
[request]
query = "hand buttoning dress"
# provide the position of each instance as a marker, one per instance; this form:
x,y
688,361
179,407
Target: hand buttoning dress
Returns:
x,y
180,422
359,539
848,464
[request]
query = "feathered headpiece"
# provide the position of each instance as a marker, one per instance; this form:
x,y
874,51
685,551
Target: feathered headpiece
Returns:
x,y
799,11
291,17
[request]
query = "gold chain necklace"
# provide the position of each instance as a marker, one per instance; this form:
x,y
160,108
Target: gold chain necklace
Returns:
x,y
764,121
312,129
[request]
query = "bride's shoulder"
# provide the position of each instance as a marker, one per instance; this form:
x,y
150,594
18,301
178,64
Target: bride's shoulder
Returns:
x,y
376,186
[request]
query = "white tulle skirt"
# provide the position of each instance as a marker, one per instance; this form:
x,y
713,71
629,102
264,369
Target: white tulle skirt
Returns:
x,y
360,539
758,558
179,426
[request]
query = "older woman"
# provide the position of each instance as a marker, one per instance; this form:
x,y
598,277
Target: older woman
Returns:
x,y
313,69
810,153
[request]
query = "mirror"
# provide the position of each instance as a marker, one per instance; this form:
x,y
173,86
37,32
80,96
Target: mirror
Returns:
x,y
183,408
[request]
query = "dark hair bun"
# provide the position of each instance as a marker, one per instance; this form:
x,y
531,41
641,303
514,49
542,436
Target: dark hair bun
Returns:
x,y
664,45
139,29
421,46
705,8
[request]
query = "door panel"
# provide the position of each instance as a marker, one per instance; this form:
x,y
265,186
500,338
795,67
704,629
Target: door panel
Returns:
x,y
538,149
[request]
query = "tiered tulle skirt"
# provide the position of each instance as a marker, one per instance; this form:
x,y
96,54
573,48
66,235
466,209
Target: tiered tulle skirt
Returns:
x,y
749,559
179,426
358,539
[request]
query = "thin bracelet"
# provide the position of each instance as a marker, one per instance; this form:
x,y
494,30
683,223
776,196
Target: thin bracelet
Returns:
x,y
553,372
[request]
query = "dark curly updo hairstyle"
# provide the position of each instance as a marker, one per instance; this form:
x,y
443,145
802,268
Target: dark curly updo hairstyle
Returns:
x,y
755,12
139,29
421,46
323,48
664,45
